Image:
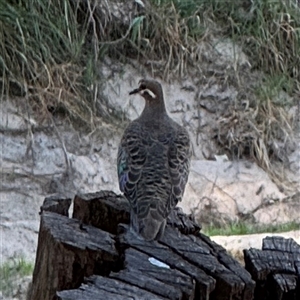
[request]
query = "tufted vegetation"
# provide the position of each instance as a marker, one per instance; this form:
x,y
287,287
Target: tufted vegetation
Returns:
x,y
51,53
11,273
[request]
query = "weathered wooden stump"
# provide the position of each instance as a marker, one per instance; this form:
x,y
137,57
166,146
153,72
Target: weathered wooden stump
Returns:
x,y
275,268
94,255
56,204
67,252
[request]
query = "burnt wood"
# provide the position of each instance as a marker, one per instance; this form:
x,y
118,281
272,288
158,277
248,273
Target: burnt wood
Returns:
x,y
95,255
205,284
185,223
99,288
56,204
275,269
279,243
106,210
231,279
102,209
285,287
136,261
68,251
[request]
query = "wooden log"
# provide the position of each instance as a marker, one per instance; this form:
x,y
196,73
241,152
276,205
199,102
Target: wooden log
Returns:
x,y
103,210
261,264
205,284
159,283
56,204
136,261
184,223
184,264
99,288
139,279
108,206
232,264
67,252
275,269
106,210
191,255
231,279
278,243
284,286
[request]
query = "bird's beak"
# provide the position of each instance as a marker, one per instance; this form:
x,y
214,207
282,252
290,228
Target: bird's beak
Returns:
x,y
135,91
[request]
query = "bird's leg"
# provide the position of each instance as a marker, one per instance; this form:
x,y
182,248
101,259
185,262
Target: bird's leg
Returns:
x,y
172,218
134,225
161,230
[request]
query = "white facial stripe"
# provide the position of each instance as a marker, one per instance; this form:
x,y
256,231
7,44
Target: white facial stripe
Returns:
x,y
149,92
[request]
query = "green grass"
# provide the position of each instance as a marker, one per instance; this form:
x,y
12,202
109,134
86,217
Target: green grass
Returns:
x,y
11,271
45,51
51,52
242,228
272,86
269,30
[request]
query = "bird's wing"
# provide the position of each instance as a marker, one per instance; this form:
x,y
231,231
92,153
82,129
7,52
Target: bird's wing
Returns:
x,y
179,155
131,158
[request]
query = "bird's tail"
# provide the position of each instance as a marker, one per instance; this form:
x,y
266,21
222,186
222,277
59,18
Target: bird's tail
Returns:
x,y
151,227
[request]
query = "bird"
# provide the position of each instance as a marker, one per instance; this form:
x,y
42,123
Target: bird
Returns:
x,y
153,163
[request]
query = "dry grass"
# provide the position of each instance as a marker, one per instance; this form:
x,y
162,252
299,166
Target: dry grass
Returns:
x,y
268,31
44,52
261,130
52,52
12,273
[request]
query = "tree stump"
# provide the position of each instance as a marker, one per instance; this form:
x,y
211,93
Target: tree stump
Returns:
x,y
275,268
94,255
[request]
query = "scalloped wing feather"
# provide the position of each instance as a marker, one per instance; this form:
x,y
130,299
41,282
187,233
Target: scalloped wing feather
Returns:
x,y
179,156
153,170
131,158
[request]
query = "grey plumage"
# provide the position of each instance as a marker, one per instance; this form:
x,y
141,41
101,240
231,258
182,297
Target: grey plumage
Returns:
x,y
153,163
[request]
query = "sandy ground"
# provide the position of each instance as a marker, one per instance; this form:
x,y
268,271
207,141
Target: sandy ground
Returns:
x,y
235,244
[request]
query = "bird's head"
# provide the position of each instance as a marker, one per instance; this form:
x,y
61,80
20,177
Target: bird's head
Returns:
x,y
151,90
